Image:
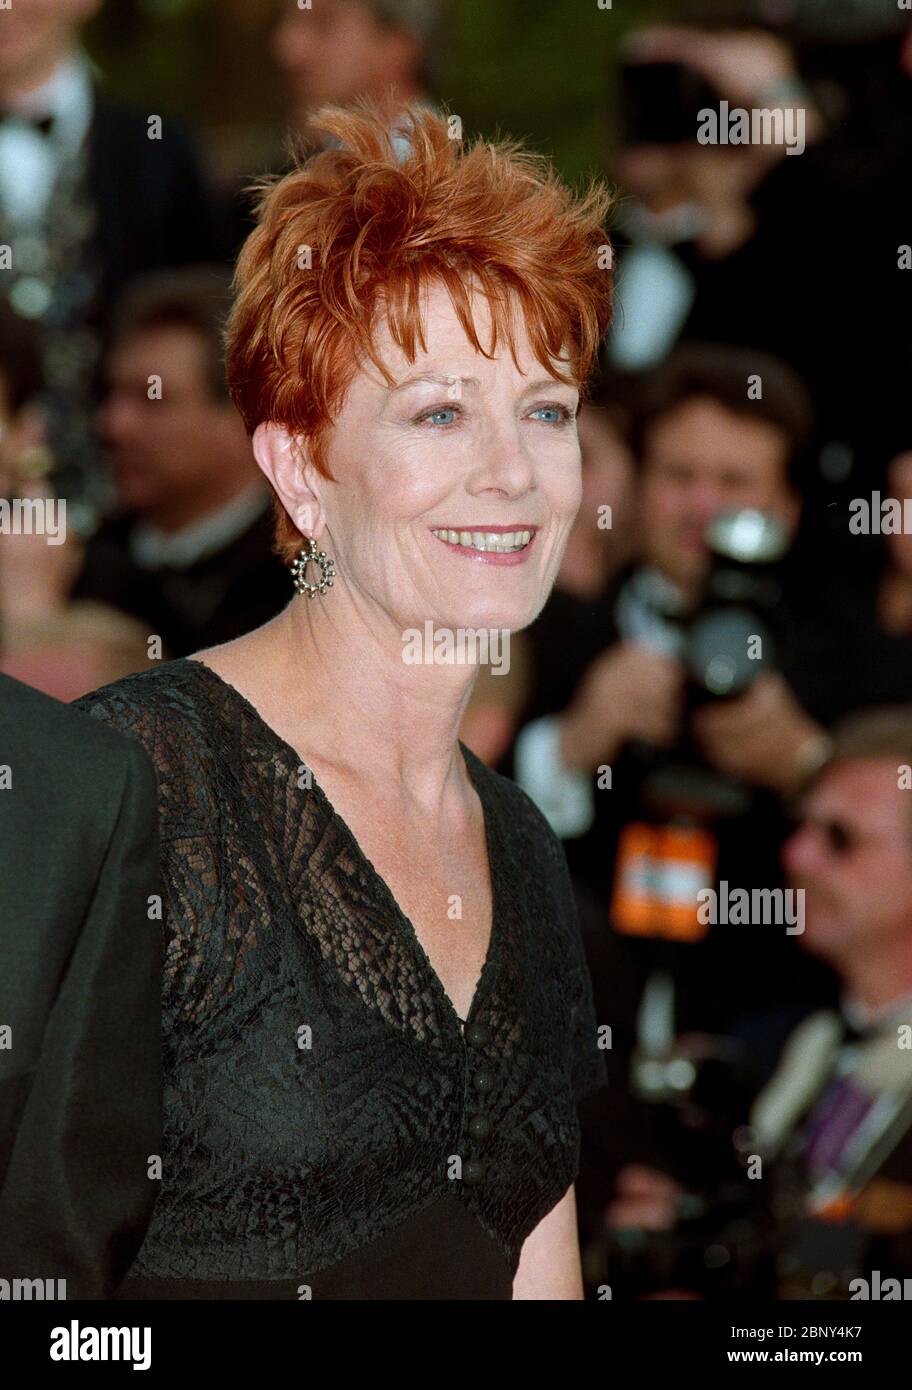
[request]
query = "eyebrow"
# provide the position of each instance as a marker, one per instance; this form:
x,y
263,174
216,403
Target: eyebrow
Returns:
x,y
450,379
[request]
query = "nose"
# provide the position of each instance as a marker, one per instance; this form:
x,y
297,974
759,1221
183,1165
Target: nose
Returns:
x,y
505,465
706,502
508,471
801,853
116,419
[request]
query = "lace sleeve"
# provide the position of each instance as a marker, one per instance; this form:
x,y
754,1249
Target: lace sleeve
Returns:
x,y
197,967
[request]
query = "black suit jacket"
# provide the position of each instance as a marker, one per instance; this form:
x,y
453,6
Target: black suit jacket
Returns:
x,y
220,597
155,207
80,989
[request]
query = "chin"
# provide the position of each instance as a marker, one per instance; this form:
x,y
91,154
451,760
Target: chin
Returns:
x,y
512,618
823,935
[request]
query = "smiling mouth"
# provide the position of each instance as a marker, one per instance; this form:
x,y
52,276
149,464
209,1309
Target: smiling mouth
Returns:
x,y
497,542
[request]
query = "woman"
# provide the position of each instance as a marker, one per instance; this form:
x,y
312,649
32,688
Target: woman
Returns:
x,y
378,1018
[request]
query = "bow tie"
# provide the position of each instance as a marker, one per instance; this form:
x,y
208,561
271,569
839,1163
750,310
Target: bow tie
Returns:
x,y
43,124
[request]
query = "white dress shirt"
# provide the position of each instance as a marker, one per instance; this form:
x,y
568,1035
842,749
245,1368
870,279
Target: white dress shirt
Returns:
x,y
31,161
150,547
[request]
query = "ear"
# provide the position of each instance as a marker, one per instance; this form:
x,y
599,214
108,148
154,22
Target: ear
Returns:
x,y
285,465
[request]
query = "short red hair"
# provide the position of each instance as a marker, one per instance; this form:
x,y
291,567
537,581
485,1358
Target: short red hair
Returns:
x,y
377,220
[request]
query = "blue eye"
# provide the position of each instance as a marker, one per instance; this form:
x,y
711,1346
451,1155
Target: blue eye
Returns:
x,y
433,416
559,414
445,416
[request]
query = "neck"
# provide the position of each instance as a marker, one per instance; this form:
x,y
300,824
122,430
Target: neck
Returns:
x,y
881,977
339,674
727,229
175,512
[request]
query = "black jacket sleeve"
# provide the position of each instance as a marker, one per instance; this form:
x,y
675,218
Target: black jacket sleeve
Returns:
x,y
80,1086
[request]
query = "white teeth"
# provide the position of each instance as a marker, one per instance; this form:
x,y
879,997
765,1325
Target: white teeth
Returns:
x,y
487,540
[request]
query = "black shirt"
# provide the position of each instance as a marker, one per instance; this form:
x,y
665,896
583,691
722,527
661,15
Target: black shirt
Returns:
x,y
223,595
328,1121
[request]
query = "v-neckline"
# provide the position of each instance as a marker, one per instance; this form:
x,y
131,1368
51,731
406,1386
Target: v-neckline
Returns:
x,y
492,846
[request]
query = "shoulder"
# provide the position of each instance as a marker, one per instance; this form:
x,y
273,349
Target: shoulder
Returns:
x,y
127,127
67,773
163,711
47,731
140,704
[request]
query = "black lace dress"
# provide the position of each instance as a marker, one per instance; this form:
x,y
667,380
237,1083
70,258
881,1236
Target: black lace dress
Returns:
x,y
332,1128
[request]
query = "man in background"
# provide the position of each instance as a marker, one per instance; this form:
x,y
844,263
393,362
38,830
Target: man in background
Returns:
x,y
190,551
62,647
622,694
341,50
91,193
834,1123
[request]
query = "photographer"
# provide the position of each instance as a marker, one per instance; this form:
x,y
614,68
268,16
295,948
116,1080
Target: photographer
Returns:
x,y
833,1125
609,688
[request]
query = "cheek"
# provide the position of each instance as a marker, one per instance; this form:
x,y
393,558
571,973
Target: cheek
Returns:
x,y
799,854
892,881
401,485
569,495
560,478
660,507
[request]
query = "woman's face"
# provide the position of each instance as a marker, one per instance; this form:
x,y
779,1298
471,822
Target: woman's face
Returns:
x,y
459,443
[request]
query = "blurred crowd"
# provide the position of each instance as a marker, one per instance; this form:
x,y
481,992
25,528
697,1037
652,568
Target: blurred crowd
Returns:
x,y
719,690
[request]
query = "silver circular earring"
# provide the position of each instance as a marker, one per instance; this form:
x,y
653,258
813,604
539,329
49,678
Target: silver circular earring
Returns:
x,y
299,565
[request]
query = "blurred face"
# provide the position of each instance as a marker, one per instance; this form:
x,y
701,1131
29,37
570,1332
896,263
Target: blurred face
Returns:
x,y
163,452
668,176
19,431
853,858
702,460
658,175
338,51
460,444
899,485
608,475
34,35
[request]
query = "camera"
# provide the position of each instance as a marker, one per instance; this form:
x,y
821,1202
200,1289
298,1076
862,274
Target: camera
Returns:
x,y
730,639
